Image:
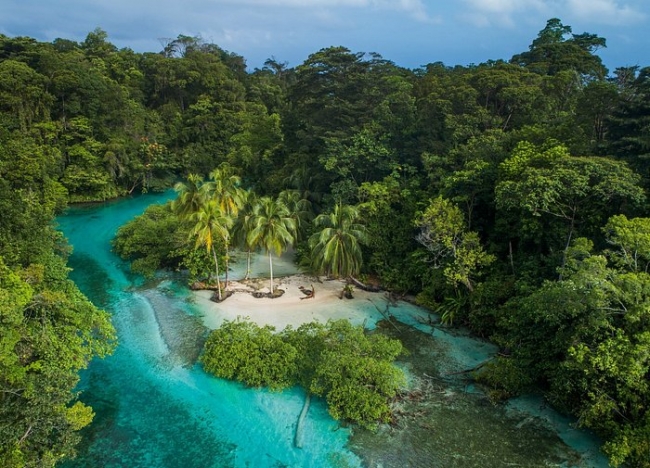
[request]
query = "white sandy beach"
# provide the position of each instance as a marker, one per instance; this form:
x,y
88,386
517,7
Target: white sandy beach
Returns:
x,y
293,307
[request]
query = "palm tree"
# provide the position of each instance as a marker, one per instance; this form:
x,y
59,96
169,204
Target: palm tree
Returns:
x,y
224,188
336,249
306,181
299,208
243,225
190,196
273,229
209,223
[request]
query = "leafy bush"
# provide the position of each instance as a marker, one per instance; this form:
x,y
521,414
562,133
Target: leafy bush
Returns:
x,y
504,377
243,351
353,371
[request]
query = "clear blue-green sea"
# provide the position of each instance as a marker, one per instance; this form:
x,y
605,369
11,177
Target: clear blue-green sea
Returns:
x,y
156,408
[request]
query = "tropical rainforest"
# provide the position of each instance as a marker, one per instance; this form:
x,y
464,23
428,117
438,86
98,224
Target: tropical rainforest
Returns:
x,y
509,196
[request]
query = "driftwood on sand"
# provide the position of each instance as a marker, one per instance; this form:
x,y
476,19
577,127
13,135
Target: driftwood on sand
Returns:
x,y
365,287
309,293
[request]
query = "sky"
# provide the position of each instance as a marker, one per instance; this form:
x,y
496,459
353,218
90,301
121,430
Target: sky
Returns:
x,y
410,33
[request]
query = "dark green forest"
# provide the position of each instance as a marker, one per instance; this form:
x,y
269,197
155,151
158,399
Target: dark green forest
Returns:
x,y
509,196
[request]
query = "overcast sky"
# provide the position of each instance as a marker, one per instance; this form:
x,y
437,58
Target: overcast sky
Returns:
x,y
411,33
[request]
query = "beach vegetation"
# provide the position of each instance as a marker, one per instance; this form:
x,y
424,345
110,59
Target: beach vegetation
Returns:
x,y
509,195
351,369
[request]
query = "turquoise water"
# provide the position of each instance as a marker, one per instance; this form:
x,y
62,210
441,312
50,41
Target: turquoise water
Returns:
x,y
155,407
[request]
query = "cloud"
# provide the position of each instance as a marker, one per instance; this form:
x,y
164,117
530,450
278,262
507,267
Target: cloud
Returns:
x,y
413,8
498,12
509,12
605,12
506,7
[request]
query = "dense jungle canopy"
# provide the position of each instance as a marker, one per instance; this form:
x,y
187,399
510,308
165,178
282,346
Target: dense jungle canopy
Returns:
x,y
510,196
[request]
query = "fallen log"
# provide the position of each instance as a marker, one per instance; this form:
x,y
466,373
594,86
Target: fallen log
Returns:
x,y
365,287
297,441
468,371
386,314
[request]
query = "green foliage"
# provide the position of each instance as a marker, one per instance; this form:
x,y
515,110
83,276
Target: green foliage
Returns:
x,y
49,331
505,378
355,375
555,196
257,356
552,52
336,248
630,241
152,240
585,337
387,208
451,307
481,156
272,228
443,233
353,371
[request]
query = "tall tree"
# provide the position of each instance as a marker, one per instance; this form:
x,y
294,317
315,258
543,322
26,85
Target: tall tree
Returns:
x,y
209,225
629,125
300,210
443,231
556,49
190,196
336,248
273,229
551,185
225,190
243,225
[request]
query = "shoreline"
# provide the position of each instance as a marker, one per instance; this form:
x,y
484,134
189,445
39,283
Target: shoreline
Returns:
x,y
293,307
448,354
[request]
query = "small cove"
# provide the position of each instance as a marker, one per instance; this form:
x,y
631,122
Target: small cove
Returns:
x,y
156,408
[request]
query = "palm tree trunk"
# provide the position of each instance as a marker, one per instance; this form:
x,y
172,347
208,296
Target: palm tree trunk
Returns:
x,y
248,265
227,263
216,268
271,270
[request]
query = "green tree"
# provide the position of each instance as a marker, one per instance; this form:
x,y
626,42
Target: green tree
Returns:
x,y
245,352
155,240
336,248
629,124
350,369
49,332
243,225
585,338
355,374
191,195
225,190
549,184
22,94
273,229
255,147
209,225
300,209
630,241
444,233
556,49
388,208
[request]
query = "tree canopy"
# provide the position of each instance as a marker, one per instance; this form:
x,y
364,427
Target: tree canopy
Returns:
x,y
508,195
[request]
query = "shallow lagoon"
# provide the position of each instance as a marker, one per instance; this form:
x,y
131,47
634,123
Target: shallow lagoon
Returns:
x,y
156,408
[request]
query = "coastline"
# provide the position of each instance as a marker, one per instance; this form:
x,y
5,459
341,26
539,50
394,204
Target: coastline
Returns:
x,y
293,307
449,406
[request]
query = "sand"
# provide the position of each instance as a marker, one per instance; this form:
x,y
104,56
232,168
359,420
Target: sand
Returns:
x,y
293,307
